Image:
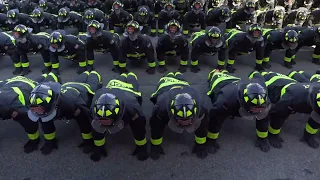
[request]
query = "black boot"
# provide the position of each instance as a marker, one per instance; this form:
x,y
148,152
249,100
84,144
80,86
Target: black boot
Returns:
x,y
31,145
259,67
55,71
316,61
49,146
220,67
17,71
287,65
81,70
90,68
25,71
266,65
310,140
230,69
46,70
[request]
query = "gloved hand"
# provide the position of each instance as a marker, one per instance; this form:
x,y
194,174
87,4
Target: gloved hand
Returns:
x,y
98,152
87,145
309,139
200,150
31,145
182,69
275,140
162,69
213,146
151,70
263,144
156,151
49,146
195,69
141,152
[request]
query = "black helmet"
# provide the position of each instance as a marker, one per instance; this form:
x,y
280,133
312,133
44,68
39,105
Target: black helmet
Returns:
x,y
94,28
143,14
63,15
236,3
255,98
197,6
169,7
132,30
215,3
88,16
249,7
290,40
20,33
44,99
225,14
301,17
56,42
37,16
214,37
173,29
12,16
183,113
254,33
43,4
278,15
117,6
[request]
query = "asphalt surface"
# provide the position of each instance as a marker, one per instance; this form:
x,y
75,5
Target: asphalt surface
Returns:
x,y
238,158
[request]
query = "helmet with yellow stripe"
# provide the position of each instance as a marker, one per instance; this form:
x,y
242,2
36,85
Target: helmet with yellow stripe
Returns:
x,y
12,16
21,33
173,29
214,37
63,15
132,30
44,101
56,42
94,28
107,110
37,16
290,40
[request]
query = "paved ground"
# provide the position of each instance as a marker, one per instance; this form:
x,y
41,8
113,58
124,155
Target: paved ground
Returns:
x,y
238,159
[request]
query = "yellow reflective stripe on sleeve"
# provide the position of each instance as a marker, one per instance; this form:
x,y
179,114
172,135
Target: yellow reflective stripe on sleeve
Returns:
x,y
116,84
90,62
86,136
133,74
20,95
287,59
200,140
284,89
231,62
183,63
54,77
87,86
310,130
141,142
96,73
252,74
116,63
217,81
259,61
11,38
273,131
100,142
211,135
292,73
315,56
156,141
153,64
122,65
261,134
162,63
194,63
274,78
266,59
153,31
55,66
17,65
47,64
50,136
33,136
82,64
317,76
24,65
221,63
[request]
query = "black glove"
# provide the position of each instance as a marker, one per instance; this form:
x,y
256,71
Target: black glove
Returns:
x,y
195,69
275,140
200,150
309,139
151,70
87,145
49,146
182,68
162,69
98,152
31,145
263,144
141,152
213,146
156,151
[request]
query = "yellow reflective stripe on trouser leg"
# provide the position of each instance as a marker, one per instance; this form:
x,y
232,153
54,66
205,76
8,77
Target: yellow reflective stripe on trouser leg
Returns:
x,y
100,142
287,59
116,63
274,131
315,56
34,136
50,136
266,59
55,66
262,134
141,142
17,65
259,61
161,63
211,135
194,63
183,62
153,64
221,63
96,73
82,64
310,129
47,64
25,65
86,136
231,62
156,141
200,140
90,62
122,65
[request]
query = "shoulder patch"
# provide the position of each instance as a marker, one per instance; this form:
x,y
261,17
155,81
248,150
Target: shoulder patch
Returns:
x,y
76,46
39,46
